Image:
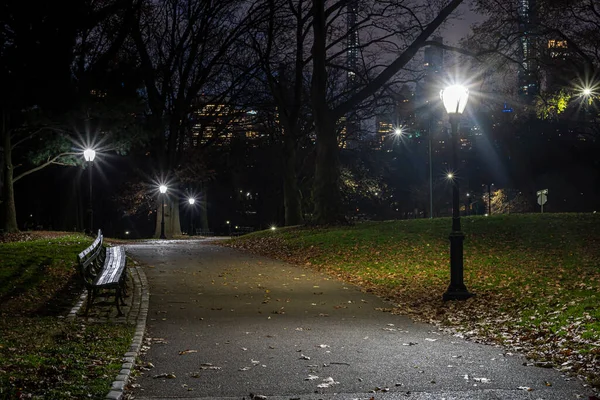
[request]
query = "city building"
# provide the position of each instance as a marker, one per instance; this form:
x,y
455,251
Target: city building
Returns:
x,y
528,75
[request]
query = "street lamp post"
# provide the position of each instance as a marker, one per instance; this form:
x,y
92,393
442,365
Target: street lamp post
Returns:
x,y
455,99
163,191
89,155
191,200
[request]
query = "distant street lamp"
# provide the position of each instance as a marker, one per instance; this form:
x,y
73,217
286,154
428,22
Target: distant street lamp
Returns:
x,y
163,191
89,155
455,99
191,200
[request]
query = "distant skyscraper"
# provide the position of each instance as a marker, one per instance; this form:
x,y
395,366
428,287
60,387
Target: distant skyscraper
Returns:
x,y
351,130
528,76
352,41
433,66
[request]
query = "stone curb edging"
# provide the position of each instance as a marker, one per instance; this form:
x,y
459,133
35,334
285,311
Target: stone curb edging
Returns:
x,y
118,385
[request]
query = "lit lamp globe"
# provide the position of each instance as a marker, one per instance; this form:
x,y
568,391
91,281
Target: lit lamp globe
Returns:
x,y
163,189
455,99
191,201
89,154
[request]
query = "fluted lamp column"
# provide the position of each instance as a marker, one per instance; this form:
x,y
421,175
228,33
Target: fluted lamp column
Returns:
x,y
163,191
455,99
89,154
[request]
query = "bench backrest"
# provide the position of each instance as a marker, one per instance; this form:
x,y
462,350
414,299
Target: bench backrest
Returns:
x,y
91,259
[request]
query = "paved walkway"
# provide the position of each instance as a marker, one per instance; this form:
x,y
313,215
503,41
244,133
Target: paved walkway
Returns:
x,y
223,324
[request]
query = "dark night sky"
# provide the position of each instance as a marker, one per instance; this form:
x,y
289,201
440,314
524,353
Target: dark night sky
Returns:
x,y
460,27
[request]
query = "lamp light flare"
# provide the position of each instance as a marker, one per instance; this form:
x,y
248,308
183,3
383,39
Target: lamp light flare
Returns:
x,y
191,200
89,154
450,175
398,131
587,91
455,98
163,188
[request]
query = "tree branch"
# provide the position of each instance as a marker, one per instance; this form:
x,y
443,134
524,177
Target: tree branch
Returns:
x,y
48,162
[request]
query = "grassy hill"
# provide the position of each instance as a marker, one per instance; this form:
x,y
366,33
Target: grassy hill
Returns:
x,y
42,355
536,276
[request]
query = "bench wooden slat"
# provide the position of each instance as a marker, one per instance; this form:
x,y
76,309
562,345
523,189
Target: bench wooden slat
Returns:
x,y
91,248
113,267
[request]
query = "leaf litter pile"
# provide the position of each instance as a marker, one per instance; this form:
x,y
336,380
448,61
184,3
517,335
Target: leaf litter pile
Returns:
x,y
536,277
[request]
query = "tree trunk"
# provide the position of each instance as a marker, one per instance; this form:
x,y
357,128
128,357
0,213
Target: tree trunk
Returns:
x,y
326,188
172,221
292,200
8,192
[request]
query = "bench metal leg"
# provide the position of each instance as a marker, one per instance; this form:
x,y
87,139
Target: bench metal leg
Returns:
x,y
124,283
117,300
90,300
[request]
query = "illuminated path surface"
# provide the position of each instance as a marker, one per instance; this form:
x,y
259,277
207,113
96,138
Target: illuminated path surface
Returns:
x,y
247,324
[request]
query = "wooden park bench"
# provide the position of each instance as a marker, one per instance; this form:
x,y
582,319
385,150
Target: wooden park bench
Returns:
x,y
103,269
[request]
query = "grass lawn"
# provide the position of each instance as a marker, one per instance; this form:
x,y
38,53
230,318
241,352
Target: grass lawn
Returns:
x,y
41,354
536,277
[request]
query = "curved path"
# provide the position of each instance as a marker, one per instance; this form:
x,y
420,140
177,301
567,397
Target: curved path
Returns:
x,y
226,324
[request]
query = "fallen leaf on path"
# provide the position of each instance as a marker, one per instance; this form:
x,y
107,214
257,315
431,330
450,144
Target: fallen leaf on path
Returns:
x,y
327,382
187,352
165,375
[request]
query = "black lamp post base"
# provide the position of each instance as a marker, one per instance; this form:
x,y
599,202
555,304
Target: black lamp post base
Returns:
x,y
457,293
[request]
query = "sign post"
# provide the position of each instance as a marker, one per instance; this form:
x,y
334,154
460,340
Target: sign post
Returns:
x,y
542,198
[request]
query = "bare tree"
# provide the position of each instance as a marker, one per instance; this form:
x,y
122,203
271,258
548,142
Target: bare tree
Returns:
x,y
40,55
403,26
304,50
186,48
